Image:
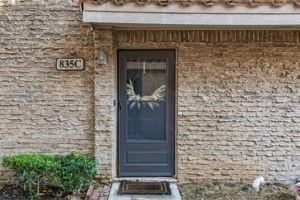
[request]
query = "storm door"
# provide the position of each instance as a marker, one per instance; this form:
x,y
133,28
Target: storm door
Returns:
x,y
146,112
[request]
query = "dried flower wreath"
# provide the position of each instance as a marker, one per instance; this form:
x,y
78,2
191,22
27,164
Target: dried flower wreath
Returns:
x,y
136,100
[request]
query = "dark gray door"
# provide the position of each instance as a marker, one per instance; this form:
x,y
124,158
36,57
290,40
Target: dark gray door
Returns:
x,y
146,112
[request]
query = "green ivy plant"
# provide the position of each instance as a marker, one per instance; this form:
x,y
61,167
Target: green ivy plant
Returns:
x,y
69,172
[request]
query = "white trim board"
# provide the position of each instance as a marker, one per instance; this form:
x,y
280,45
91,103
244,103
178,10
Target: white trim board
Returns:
x,y
166,19
176,8
131,15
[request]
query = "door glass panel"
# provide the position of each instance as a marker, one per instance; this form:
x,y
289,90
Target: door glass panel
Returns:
x,y
146,99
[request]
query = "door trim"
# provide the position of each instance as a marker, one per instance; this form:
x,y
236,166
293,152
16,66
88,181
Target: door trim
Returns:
x,y
174,114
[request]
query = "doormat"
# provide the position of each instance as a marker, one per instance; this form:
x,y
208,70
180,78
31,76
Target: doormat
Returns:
x,y
144,188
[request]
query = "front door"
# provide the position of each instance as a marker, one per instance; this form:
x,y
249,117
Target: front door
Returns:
x,y
146,112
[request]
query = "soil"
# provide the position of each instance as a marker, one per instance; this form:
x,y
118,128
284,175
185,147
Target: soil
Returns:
x,y
8,192
221,191
191,191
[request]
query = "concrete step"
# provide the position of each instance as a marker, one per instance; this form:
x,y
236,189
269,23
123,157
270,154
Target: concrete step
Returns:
x,y
113,195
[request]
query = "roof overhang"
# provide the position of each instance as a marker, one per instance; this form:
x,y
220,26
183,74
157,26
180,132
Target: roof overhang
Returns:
x,y
131,14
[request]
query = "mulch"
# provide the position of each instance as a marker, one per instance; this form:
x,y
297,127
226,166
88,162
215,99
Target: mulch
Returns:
x,y
191,191
9,192
222,191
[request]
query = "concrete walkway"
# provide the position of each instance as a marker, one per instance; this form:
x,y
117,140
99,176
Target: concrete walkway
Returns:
x,y
175,195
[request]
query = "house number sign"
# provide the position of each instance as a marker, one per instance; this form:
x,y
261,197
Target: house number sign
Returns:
x,y
69,64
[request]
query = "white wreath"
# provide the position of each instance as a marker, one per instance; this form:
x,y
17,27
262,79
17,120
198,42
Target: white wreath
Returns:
x,y
158,95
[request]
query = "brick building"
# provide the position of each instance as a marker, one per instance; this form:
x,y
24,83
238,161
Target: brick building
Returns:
x,y
192,90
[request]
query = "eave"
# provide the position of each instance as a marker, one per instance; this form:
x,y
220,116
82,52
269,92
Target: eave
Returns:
x,y
175,14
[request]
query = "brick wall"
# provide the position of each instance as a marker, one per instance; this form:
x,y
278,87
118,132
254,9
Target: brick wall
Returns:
x,y
237,93
42,109
105,93
238,101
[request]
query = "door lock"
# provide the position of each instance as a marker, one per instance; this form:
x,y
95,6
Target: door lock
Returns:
x,y
117,103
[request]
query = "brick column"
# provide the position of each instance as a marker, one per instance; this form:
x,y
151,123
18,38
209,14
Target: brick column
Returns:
x,y
104,83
